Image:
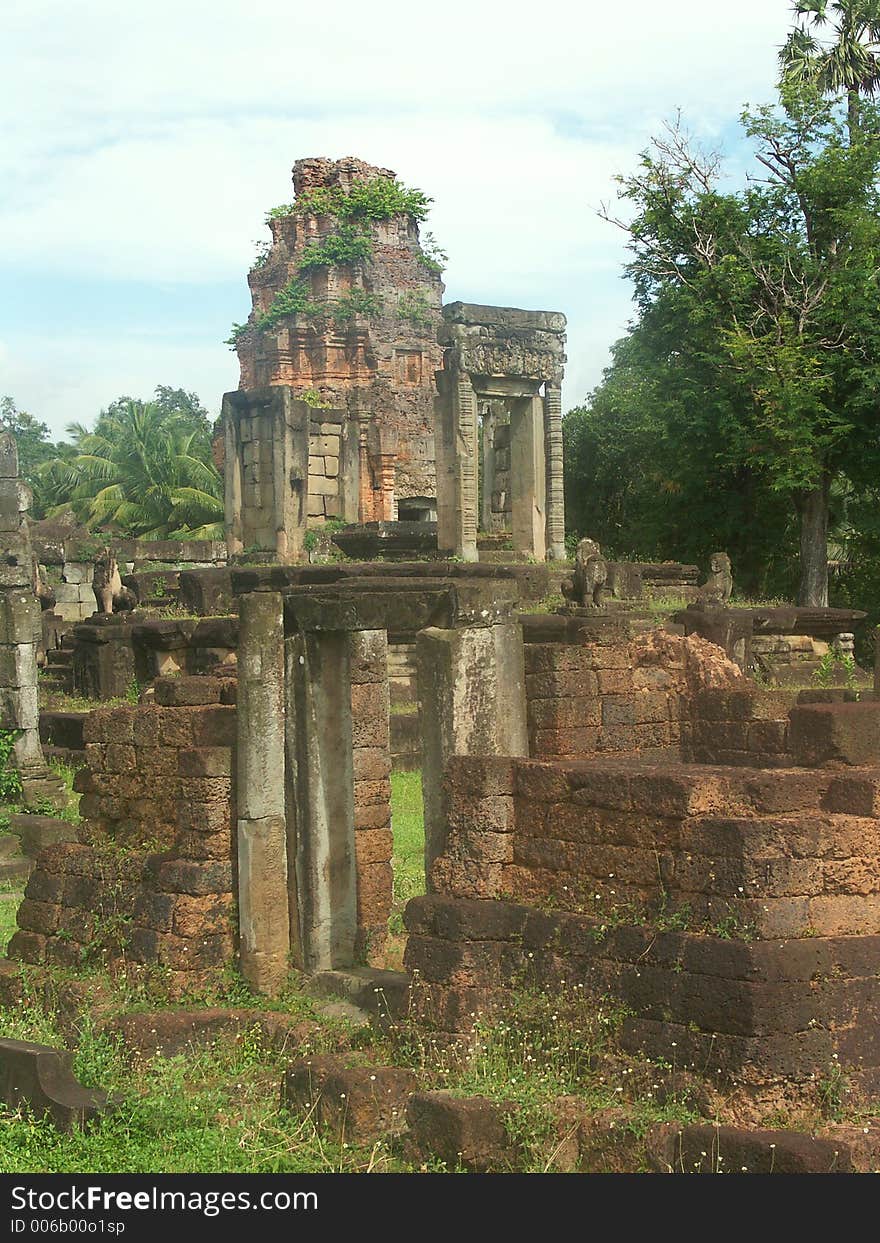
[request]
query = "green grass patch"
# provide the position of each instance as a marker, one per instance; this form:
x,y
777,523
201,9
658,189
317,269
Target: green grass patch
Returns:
x,y
10,900
213,1109
408,823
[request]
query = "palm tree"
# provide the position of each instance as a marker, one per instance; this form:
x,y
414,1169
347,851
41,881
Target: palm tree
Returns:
x,y
143,471
847,62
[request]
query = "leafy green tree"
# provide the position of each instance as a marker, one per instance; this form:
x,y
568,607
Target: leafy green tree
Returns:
x,y
34,448
783,276
646,473
847,63
145,470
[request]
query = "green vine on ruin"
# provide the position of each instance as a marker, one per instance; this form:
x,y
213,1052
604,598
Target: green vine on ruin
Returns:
x,y
377,198
295,299
350,244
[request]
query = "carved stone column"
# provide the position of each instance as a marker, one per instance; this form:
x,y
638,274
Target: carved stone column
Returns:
x,y
262,846
472,686
320,799
528,477
555,477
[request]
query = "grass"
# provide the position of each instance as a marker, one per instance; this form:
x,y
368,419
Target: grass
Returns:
x,y
408,823
213,1109
10,898
61,701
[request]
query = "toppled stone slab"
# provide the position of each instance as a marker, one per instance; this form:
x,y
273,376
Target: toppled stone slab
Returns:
x,y
39,1077
465,1133
708,1149
352,1102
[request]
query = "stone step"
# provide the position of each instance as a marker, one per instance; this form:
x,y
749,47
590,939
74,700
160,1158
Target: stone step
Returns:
x,y
35,833
16,868
65,755
57,678
62,729
380,994
42,791
679,790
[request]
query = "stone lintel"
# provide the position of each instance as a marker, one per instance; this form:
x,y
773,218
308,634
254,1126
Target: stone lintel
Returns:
x,y
509,317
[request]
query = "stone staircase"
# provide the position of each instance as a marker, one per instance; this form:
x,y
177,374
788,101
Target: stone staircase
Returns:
x,y
57,675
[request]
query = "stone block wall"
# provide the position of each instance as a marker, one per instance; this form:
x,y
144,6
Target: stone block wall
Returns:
x,y
766,1022
589,699
733,912
152,876
654,696
768,854
328,460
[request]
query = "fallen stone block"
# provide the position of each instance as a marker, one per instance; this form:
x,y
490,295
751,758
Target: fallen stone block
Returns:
x,y
708,1149
467,1133
39,1077
352,1102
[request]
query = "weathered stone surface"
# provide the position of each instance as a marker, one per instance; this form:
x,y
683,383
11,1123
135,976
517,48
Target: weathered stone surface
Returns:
x,y
836,733
734,1150
39,1077
170,1032
352,1102
465,1133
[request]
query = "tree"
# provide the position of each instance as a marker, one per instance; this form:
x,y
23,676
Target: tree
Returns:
x,y
34,448
847,64
143,471
783,274
646,471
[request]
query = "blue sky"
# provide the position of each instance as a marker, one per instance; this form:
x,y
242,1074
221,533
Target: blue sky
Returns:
x,y
143,146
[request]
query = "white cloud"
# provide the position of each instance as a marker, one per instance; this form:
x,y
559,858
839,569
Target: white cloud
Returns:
x,y
145,144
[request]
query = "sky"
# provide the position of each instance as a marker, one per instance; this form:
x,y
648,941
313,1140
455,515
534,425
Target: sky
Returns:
x,y
143,145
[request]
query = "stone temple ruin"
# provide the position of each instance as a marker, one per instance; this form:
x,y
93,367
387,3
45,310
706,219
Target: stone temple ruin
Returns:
x,y
610,799
374,404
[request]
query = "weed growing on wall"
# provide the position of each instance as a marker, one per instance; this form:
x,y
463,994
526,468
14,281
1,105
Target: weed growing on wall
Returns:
x,y
10,782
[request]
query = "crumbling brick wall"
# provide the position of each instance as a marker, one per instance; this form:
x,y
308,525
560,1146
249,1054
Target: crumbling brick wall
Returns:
x,y
152,877
733,911
659,696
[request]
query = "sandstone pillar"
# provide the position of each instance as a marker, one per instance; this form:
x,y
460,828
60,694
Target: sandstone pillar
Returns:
x,y
262,849
371,749
232,469
555,477
19,627
365,496
320,798
488,455
290,461
472,689
457,467
527,476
